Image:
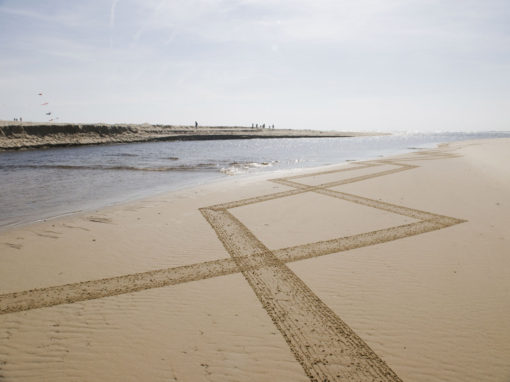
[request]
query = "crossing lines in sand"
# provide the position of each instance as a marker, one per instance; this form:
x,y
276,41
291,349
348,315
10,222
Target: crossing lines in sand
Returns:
x,y
321,342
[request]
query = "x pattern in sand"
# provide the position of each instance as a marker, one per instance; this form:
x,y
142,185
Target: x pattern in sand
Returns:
x,y
321,342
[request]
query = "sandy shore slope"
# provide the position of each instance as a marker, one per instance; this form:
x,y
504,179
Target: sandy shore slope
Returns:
x,y
387,270
31,135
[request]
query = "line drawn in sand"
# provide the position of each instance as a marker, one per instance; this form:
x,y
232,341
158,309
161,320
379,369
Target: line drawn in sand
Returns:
x,y
321,342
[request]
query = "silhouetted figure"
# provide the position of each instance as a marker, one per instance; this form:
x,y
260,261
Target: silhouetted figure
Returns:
x,y
196,124
20,119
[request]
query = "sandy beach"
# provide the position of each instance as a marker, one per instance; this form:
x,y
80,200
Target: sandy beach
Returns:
x,y
386,270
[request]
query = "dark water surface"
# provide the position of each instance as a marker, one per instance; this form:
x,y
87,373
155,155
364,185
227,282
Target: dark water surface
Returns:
x,y
40,184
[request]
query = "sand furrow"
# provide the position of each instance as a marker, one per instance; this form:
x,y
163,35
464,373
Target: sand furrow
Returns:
x,y
359,166
89,290
325,346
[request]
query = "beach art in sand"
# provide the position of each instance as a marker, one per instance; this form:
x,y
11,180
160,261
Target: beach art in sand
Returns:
x,y
326,347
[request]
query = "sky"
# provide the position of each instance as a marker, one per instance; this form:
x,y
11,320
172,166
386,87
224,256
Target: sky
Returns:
x,y
352,65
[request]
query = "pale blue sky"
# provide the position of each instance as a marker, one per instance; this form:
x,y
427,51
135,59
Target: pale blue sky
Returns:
x,y
346,65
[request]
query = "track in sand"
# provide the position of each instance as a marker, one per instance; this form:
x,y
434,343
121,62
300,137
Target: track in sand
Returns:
x,y
321,342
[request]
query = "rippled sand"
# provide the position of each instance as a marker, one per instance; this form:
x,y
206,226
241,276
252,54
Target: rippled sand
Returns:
x,y
382,270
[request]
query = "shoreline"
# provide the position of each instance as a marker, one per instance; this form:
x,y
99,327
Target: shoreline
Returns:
x,y
205,182
135,196
31,135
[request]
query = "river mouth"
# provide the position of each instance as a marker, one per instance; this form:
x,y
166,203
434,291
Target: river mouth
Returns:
x,y
40,184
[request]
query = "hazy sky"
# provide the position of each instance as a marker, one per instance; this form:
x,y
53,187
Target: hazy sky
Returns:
x,y
344,65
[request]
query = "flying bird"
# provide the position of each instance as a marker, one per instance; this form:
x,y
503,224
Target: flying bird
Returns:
x,y
40,93
49,113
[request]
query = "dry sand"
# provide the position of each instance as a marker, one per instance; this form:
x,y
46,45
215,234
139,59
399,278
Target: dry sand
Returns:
x,y
388,270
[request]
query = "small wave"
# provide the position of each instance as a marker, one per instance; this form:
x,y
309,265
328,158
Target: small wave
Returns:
x,y
190,167
123,155
229,168
236,168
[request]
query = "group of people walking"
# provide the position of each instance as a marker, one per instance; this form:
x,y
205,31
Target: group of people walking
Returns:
x,y
262,126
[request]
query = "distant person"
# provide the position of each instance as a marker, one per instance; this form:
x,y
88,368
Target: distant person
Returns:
x,y
15,119
272,126
196,124
20,119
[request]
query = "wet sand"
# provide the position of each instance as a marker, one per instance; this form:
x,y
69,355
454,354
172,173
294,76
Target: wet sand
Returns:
x,y
391,269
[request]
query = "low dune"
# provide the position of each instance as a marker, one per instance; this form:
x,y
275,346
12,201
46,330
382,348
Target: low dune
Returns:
x,y
28,135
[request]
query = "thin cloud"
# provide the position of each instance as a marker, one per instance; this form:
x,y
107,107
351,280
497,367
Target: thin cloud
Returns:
x,y
112,20
112,13
65,18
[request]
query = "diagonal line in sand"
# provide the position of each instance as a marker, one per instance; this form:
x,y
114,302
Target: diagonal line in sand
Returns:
x,y
359,166
305,187
298,188
89,290
326,348
327,247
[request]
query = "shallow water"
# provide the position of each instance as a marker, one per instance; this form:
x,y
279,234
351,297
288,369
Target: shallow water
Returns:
x,y
41,184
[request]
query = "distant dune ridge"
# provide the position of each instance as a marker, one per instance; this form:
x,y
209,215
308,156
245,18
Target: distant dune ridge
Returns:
x,y
33,135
